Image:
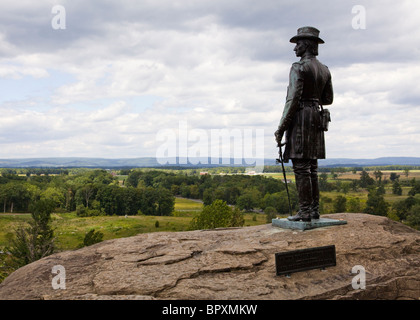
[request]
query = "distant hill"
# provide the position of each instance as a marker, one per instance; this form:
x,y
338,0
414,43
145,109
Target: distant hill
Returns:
x,y
385,161
75,162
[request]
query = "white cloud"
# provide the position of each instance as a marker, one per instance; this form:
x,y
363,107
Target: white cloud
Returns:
x,y
216,64
17,71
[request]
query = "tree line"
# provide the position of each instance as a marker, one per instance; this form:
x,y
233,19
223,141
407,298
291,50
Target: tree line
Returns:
x,y
95,192
152,192
149,192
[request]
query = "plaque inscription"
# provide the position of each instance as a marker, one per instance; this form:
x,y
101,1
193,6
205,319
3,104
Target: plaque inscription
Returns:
x,y
305,259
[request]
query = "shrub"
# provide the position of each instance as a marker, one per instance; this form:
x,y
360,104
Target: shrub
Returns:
x,y
413,216
92,237
271,213
376,204
340,204
82,211
353,205
237,219
217,215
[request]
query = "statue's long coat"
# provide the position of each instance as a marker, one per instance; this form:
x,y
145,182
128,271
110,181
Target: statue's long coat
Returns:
x,y
309,85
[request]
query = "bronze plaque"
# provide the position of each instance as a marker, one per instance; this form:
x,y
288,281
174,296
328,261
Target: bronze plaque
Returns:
x,y
305,259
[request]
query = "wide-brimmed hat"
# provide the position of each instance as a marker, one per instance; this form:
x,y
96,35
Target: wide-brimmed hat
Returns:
x,y
307,33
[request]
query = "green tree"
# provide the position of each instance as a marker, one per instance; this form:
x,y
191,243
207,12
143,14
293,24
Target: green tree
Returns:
x,y
125,172
131,201
324,185
185,190
219,194
231,194
378,175
216,215
353,205
271,213
54,194
15,196
283,205
280,202
111,199
393,176
237,219
354,185
175,189
415,189
273,186
271,200
81,211
380,189
165,202
87,192
148,201
194,192
396,188
376,204
208,197
413,216
5,267
401,208
133,178
36,241
248,200
340,204
345,187
71,190
365,179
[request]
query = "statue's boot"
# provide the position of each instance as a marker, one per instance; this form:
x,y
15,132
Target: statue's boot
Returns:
x,y
300,216
304,188
315,196
315,212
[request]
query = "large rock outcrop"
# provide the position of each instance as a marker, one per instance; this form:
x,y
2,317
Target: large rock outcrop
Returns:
x,y
235,263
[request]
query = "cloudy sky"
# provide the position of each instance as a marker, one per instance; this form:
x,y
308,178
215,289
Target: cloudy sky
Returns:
x,y
123,71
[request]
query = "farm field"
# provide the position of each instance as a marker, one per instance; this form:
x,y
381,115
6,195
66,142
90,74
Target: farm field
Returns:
x,y
361,195
386,175
348,176
354,176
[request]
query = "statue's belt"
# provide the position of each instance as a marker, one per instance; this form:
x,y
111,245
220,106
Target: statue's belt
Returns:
x,y
309,103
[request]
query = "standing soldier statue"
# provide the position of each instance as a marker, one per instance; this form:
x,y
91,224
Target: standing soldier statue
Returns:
x,y
309,88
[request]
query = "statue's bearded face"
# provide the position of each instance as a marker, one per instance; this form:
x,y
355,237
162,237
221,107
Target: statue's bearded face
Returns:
x,y
300,48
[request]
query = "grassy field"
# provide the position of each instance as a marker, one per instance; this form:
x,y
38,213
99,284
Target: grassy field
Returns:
x,y
182,204
70,229
278,175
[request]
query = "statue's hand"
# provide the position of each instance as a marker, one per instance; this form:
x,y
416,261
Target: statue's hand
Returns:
x,y
279,136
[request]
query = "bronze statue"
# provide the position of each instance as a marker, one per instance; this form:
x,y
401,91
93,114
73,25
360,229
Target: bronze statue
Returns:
x,y
309,88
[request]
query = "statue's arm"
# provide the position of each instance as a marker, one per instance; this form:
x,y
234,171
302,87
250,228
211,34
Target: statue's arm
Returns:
x,y
294,92
328,94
